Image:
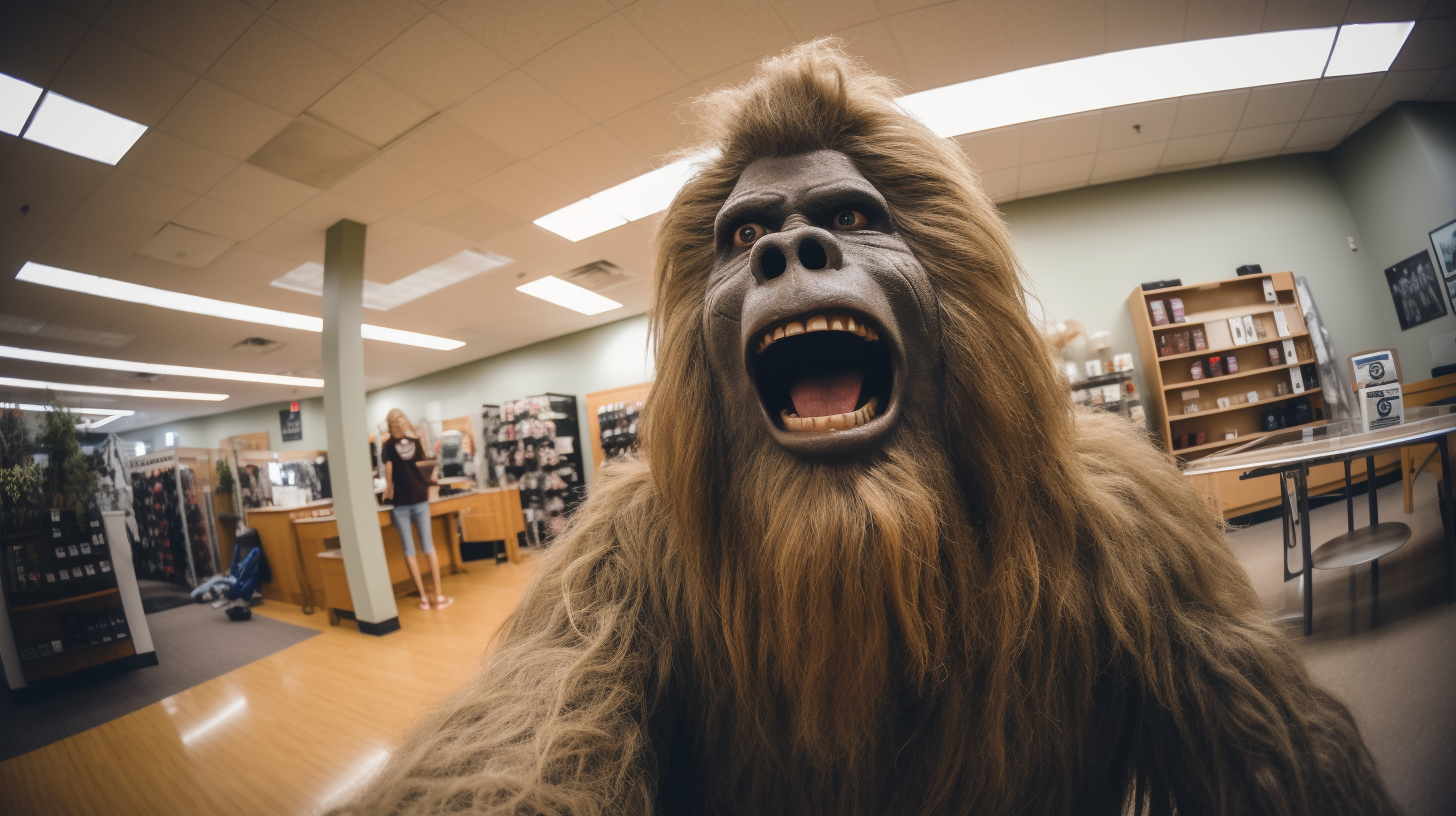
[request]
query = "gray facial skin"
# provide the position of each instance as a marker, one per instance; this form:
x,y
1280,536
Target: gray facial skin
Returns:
x,y
813,256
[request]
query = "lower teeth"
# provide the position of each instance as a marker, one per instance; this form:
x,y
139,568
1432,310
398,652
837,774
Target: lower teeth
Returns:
x,y
837,422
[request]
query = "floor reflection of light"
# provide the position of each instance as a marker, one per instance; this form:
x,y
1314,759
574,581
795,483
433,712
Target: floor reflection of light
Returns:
x,y
356,777
169,705
215,720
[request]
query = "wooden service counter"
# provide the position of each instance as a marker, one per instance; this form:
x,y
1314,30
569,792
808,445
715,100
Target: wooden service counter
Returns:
x,y
294,537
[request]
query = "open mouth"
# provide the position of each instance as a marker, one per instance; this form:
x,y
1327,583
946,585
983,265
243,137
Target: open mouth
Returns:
x,y
826,372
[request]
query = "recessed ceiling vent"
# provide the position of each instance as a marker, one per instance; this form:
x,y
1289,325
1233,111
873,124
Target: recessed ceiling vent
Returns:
x,y
257,345
599,276
147,376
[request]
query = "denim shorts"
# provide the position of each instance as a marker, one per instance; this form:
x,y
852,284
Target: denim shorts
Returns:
x,y
419,514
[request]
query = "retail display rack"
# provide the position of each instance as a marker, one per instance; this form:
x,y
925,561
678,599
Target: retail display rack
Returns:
x,y
1187,336
534,444
172,500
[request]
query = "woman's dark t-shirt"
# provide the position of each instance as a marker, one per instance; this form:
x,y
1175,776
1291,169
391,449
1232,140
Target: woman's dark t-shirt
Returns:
x,y
410,485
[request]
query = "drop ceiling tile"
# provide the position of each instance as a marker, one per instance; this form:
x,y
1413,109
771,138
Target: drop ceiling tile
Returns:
x,y
386,187
327,209
1222,18
141,196
165,158
109,225
82,9
992,150
258,190
237,273
189,33
1320,131
807,19
1439,8
525,242
438,63
1192,150
606,69
1060,137
701,39
524,191
184,246
32,165
412,252
154,272
1445,88
366,106
1364,119
220,218
520,31
436,206
1322,147
288,241
656,129
35,40
1141,23
1000,185
1227,159
446,153
1125,162
107,73
1381,11
387,229
1342,96
274,65
1281,15
218,119
310,151
1428,46
21,233
1058,174
1135,125
1278,104
874,43
519,114
1264,140
1209,113
591,161
1400,86
82,256
477,222
353,29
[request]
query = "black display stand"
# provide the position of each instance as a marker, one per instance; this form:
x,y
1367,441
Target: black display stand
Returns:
x,y
535,445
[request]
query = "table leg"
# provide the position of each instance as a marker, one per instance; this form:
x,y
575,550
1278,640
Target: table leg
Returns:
x,y
452,535
1448,520
1370,490
1287,521
1349,501
1301,488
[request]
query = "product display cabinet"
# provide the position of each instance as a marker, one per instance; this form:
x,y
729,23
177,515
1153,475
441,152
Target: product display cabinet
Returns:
x,y
612,421
535,444
1257,322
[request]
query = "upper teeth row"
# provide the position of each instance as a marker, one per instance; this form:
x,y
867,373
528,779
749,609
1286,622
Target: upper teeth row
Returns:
x,y
817,323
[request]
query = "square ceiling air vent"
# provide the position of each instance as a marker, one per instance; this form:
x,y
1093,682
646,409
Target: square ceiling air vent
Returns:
x,y
257,345
312,152
599,276
186,247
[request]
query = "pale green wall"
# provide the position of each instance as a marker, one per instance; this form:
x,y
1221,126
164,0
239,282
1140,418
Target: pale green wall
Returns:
x,y
1086,250
205,432
1398,174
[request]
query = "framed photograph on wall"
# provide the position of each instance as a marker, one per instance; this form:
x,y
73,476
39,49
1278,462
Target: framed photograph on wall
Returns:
x,y
1415,290
1443,243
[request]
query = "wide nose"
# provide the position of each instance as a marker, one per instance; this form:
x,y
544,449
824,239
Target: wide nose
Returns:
x,y
802,248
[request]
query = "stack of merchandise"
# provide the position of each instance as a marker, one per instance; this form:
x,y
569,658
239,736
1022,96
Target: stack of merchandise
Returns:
x,y
533,445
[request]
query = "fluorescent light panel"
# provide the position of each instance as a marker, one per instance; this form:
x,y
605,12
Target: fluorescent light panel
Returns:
x,y
17,100
309,279
56,358
558,291
13,382
135,293
75,127
582,219
106,412
1367,48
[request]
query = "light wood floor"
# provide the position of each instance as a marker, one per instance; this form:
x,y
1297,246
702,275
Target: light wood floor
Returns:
x,y
287,734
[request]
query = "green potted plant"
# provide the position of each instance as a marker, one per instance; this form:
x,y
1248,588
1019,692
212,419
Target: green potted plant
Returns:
x,y
70,481
22,491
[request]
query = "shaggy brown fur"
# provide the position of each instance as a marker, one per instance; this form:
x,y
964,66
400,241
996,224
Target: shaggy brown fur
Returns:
x,y
1016,608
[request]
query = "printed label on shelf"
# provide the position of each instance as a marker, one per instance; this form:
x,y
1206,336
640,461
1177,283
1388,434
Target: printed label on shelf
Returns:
x,y
1269,291
1280,323
1296,381
1290,355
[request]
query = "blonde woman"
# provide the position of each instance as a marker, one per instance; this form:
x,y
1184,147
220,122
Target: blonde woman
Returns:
x,y
409,492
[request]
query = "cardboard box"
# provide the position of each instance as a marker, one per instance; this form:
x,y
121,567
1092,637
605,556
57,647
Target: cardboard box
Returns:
x,y
1381,406
1374,368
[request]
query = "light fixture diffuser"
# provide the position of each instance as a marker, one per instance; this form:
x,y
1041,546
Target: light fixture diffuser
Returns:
x,y
17,100
558,291
464,265
1367,48
579,220
57,358
75,127
13,382
59,278
650,192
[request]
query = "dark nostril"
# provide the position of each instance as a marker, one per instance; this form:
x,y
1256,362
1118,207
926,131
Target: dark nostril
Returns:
x,y
772,263
812,254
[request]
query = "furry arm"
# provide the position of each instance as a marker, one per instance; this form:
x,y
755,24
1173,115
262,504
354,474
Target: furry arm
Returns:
x,y
552,722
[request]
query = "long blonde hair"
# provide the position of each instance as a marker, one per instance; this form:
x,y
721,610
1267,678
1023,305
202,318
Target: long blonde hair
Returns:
x,y
399,414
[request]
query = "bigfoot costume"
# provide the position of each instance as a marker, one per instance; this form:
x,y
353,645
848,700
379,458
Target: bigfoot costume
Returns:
x,y
872,561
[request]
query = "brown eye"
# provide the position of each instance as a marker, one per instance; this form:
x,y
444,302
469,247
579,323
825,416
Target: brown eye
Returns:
x,y
747,234
850,219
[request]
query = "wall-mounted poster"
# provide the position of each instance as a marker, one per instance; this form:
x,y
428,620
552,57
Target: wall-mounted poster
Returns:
x,y
1443,242
290,423
1416,291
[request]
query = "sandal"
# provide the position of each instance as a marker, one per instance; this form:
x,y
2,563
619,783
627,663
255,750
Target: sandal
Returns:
x,y
425,605
442,601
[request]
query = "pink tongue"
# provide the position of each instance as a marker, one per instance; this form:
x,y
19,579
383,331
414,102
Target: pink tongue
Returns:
x,y
827,395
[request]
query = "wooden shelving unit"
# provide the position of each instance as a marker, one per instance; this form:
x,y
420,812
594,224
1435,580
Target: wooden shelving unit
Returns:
x,y
1170,383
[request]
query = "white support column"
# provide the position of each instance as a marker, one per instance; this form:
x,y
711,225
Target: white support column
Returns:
x,y
349,466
